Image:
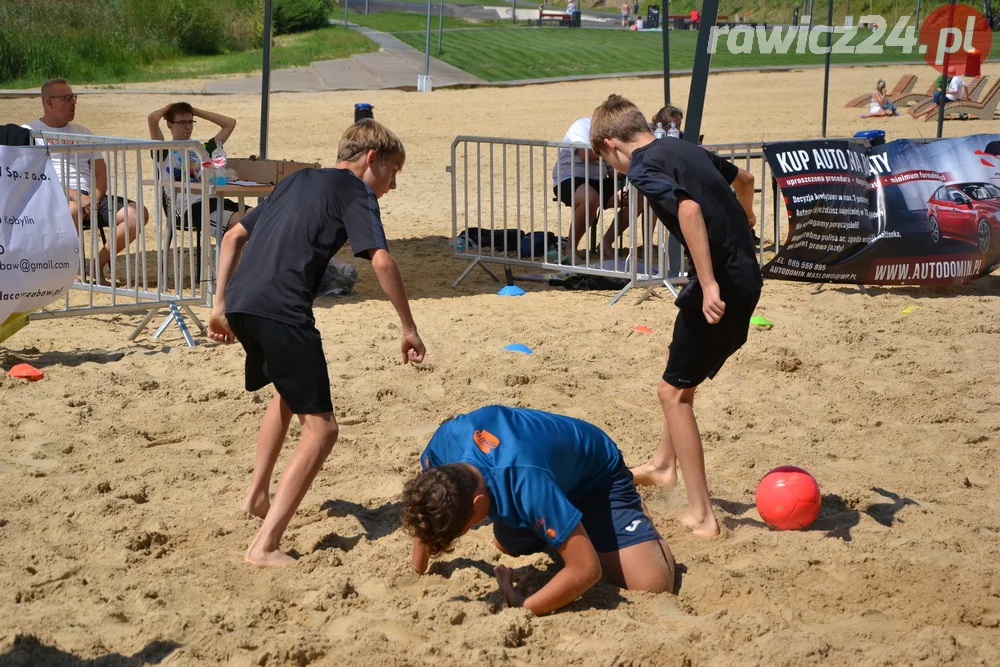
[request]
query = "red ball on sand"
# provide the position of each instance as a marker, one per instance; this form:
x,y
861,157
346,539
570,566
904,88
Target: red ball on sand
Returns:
x,y
788,498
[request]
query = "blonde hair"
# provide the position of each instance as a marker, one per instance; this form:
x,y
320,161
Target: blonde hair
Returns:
x,y
616,118
370,135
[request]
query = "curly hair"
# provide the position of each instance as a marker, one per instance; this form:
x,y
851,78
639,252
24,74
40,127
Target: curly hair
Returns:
x,y
437,505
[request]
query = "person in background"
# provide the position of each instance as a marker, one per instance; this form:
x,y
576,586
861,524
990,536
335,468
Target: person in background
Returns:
x,y
578,179
180,117
85,175
957,90
881,104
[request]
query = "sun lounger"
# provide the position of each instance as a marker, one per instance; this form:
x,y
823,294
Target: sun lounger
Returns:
x,y
976,86
905,85
916,98
983,110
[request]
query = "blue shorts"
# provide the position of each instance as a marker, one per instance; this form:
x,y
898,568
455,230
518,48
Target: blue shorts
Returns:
x,y
612,517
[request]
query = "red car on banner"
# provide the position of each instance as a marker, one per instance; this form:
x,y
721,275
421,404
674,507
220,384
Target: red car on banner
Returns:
x,y
967,212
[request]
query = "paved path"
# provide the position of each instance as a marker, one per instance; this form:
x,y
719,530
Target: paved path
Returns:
x,y
396,65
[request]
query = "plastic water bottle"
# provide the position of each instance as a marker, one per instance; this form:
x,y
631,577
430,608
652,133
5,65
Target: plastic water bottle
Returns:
x,y
673,131
659,133
219,165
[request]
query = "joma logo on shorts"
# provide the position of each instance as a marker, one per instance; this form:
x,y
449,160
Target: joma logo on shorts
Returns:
x,y
485,440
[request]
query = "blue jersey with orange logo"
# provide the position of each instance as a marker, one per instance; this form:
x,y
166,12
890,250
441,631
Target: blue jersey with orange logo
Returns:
x,y
535,464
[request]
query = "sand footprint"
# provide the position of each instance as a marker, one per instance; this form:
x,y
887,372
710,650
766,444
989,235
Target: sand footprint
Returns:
x,y
420,430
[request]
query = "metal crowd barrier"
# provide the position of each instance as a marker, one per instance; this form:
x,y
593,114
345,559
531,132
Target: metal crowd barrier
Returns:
x,y
767,200
503,191
156,265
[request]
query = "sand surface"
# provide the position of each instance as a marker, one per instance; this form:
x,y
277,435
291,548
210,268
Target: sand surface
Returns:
x,y
122,472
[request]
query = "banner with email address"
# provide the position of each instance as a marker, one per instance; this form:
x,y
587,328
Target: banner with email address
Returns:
x,y
38,242
904,213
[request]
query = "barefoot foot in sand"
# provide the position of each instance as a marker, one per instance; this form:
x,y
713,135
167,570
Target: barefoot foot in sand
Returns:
x,y
257,505
258,555
649,475
704,527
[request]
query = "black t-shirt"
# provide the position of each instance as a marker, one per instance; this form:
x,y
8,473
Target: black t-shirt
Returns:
x,y
294,234
669,170
728,170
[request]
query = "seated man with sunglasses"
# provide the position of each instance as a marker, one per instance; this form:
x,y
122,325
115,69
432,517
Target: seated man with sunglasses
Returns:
x,y
180,117
85,175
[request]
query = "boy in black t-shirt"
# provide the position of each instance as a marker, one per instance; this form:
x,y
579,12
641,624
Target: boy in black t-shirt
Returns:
x,y
694,201
266,303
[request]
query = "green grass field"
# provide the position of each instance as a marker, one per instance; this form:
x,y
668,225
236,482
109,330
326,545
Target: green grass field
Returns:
x,y
759,10
359,5
517,53
394,22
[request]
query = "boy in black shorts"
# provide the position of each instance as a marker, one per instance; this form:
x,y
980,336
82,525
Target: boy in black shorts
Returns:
x,y
694,201
549,483
266,303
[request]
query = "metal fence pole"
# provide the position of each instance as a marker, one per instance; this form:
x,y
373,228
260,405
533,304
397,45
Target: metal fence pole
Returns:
x,y
440,25
826,69
427,44
945,75
265,79
664,21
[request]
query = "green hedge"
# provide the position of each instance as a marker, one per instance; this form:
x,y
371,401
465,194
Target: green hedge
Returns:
x,y
299,15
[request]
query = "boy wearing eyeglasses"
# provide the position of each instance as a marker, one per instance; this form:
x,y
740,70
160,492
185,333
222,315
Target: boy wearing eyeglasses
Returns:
x,y
180,117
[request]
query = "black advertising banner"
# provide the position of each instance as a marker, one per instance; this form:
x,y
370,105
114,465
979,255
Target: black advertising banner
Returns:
x,y
904,213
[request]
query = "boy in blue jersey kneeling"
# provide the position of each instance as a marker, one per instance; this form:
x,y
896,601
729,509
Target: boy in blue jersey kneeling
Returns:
x,y
548,482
